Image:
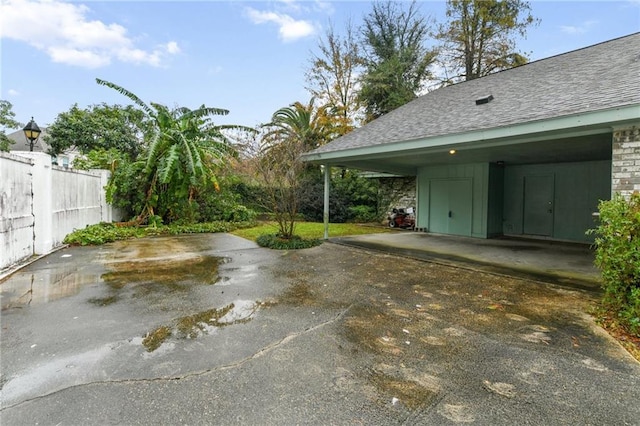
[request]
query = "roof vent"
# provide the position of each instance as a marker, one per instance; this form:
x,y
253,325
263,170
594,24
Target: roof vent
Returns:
x,y
484,100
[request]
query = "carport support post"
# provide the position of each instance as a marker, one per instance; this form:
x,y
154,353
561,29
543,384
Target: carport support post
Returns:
x,y
325,214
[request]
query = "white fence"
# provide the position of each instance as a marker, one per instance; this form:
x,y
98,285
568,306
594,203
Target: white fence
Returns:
x,y
40,204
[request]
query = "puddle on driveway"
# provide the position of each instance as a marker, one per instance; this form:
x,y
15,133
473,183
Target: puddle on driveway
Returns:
x,y
145,278
43,286
205,322
151,266
156,266
171,273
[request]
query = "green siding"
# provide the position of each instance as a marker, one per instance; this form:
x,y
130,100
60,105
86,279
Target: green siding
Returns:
x,y
577,189
496,200
498,197
477,174
539,205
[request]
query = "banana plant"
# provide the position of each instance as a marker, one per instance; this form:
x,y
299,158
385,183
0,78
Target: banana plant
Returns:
x,y
184,148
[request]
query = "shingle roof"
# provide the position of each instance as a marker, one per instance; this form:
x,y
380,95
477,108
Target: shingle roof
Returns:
x,y
599,77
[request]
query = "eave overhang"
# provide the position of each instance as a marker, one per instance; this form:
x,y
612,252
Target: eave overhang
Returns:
x,y
570,126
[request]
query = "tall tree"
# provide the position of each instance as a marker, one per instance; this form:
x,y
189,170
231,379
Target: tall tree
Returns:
x,y
332,76
184,147
292,131
480,37
7,121
98,127
397,59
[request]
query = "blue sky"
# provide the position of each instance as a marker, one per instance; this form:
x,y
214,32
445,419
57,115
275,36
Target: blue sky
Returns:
x,y
247,57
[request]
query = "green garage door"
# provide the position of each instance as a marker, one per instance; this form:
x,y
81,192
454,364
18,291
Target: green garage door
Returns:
x,y
450,206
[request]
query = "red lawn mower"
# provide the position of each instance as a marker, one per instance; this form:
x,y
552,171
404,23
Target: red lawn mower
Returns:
x,y
399,218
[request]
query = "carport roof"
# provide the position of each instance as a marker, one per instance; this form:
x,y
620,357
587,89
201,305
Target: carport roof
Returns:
x,y
581,93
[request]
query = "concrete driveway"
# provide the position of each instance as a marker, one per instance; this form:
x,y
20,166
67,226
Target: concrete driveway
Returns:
x,y
211,329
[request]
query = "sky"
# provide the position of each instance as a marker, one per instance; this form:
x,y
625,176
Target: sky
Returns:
x,y
248,57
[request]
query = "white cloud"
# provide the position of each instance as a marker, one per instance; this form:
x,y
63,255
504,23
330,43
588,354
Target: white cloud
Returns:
x,y
289,29
583,28
327,7
291,4
173,48
65,33
13,92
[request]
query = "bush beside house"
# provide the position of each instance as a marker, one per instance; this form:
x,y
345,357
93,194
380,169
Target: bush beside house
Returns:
x,y
618,257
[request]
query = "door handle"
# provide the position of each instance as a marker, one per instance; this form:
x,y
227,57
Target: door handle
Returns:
x,y
450,213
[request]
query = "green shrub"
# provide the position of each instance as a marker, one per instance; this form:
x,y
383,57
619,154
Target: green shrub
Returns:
x,y
102,233
241,214
618,257
275,242
350,197
364,214
221,204
126,187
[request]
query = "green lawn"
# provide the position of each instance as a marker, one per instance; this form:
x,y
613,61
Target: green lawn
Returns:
x,y
311,230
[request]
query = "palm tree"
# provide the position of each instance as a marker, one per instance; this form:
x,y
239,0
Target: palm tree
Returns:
x,y
301,124
184,147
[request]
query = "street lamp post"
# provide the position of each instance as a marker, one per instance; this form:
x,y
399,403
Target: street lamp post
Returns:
x,y
31,132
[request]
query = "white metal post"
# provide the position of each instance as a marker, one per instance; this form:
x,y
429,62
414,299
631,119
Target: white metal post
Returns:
x,y
325,216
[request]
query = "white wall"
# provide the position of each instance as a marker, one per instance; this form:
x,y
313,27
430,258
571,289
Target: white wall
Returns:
x,y
75,201
16,214
40,204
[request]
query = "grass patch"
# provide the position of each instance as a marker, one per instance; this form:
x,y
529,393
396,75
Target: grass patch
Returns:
x,y
311,230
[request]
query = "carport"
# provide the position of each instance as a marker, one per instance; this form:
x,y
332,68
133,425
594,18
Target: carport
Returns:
x,y
525,152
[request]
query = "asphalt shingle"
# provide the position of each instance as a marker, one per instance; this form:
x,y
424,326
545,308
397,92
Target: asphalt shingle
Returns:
x,y
599,77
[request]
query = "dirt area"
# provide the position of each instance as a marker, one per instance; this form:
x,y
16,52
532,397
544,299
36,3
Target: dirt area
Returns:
x,y
628,341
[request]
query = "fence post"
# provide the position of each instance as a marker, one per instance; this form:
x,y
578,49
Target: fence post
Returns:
x,y
106,211
41,188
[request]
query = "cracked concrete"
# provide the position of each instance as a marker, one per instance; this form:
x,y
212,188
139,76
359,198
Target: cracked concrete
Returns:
x,y
340,336
261,352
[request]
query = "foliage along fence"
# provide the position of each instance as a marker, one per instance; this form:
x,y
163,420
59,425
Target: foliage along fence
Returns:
x,y
41,203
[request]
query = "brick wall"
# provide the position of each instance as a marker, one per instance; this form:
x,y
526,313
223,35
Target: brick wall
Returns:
x,y
625,164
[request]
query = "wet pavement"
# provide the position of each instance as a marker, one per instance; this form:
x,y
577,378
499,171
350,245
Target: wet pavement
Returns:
x,y
211,329
566,264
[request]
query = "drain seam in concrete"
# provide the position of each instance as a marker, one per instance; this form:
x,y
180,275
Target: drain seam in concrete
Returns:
x,y
237,364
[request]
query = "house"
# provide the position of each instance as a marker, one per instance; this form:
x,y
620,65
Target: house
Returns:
x,y
527,152
21,143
